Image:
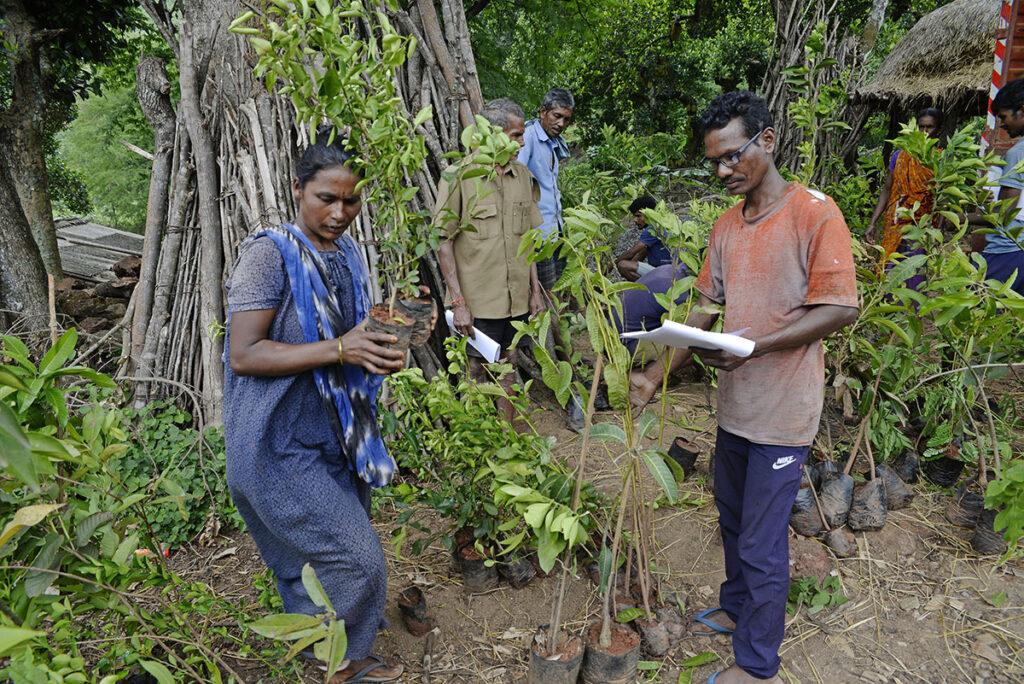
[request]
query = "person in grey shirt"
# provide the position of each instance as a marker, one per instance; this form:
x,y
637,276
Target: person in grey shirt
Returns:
x,y
1002,250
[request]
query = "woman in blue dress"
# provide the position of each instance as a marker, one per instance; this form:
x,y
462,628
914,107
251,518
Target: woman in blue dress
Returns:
x,y
300,423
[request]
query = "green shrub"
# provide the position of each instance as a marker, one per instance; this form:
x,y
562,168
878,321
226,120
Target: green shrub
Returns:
x,y
166,445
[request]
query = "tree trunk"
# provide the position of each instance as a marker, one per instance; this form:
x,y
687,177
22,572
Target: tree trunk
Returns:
x,y
794,21
154,98
243,145
23,290
23,123
211,299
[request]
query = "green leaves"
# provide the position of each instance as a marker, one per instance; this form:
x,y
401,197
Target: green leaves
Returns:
x,y
661,473
286,625
15,454
314,588
324,632
630,614
12,636
158,671
689,665
357,52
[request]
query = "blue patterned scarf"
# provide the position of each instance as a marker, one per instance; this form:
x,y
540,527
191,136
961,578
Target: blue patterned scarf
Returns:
x,y
349,392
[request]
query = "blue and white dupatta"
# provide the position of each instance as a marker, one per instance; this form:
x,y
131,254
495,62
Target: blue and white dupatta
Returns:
x,y
349,392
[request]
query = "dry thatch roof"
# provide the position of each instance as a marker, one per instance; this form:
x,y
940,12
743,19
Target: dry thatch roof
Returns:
x,y
944,60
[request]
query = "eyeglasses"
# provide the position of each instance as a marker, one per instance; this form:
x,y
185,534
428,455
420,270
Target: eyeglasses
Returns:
x,y
732,159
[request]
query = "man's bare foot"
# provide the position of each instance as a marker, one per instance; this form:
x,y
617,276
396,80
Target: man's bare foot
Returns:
x,y
386,670
736,675
718,617
641,390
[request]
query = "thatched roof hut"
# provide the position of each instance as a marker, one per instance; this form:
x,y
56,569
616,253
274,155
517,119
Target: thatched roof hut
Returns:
x,y
945,60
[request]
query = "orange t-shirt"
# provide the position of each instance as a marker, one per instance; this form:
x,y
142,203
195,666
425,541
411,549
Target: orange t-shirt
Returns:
x,y
767,271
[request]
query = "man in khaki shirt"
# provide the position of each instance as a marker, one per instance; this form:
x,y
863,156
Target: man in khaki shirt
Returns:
x,y
489,283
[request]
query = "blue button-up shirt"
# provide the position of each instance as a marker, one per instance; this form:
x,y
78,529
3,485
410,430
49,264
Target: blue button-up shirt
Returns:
x,y
539,155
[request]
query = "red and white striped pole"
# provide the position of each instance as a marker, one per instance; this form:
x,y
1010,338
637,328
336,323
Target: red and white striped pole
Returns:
x,y
989,136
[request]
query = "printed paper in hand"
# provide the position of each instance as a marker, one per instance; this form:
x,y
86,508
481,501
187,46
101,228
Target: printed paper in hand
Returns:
x,y
487,347
678,335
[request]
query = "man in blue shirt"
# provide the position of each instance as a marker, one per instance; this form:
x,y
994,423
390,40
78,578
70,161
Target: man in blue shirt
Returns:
x,y
1002,253
542,152
648,248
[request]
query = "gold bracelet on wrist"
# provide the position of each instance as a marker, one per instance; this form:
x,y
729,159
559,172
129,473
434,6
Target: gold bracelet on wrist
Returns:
x,y
341,355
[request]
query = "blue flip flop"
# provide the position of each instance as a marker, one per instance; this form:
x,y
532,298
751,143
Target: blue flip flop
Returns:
x,y
712,678
716,628
364,674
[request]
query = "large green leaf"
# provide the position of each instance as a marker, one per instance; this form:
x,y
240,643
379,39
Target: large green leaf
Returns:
x,y
314,588
287,626
662,474
40,577
11,380
549,545
608,432
158,671
630,614
15,451
85,529
87,374
59,353
648,419
339,646
12,636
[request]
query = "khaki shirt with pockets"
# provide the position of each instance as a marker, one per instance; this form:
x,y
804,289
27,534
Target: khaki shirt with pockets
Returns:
x,y
494,279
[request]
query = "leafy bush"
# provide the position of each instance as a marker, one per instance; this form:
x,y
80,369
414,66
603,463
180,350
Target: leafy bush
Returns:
x,y
166,445
815,594
458,455
620,166
84,592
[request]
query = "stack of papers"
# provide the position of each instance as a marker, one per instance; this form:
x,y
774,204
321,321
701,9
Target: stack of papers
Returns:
x,y
678,335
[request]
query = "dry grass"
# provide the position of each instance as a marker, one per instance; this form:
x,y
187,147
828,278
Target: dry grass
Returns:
x,y
945,58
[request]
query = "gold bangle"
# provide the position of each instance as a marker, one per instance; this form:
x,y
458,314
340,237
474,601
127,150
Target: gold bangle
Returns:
x,y
341,356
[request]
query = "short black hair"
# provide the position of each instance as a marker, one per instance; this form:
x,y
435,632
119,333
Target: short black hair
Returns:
x,y
320,155
498,111
642,202
558,97
1010,96
738,103
933,113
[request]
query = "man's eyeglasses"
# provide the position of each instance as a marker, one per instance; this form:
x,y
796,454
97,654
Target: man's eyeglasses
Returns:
x,y
732,159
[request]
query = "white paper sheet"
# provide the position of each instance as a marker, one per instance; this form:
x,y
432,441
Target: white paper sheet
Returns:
x,y
678,335
487,347
643,268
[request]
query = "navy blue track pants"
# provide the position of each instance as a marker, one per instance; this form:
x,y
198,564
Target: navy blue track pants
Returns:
x,y
755,486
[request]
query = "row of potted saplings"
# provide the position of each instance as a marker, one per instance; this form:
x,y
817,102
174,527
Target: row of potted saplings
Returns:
x,y
573,659
830,500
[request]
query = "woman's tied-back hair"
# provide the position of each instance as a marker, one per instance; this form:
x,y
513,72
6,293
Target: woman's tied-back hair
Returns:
x,y
1010,96
738,103
642,202
932,113
558,97
498,111
320,155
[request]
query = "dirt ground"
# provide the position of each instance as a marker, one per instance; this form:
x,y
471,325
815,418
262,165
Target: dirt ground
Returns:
x,y
922,607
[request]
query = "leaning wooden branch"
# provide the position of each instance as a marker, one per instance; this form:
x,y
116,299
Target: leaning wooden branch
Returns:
x,y
137,150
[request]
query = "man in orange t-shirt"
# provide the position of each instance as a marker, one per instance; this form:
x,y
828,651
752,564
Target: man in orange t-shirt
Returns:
x,y
780,264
